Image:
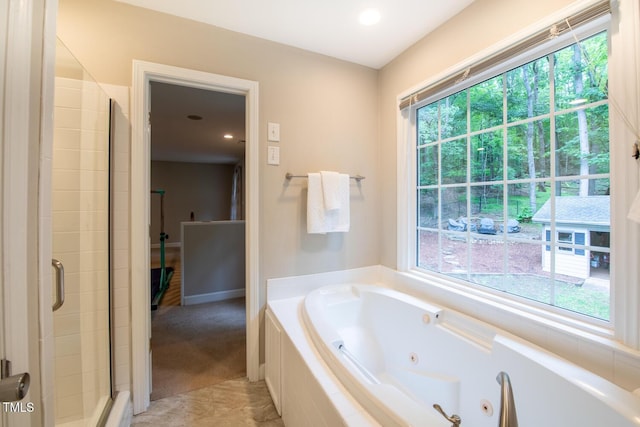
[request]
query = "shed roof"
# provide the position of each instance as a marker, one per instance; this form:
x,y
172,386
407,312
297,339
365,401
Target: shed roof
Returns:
x,y
578,210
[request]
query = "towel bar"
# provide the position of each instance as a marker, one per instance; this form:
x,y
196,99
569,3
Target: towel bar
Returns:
x,y
289,175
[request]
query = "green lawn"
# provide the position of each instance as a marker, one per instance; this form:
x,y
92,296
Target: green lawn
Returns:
x,y
589,300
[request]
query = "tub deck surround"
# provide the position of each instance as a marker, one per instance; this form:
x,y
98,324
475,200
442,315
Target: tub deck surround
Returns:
x,y
325,401
387,357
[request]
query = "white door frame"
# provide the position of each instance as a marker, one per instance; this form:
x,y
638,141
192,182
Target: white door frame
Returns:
x,y
143,74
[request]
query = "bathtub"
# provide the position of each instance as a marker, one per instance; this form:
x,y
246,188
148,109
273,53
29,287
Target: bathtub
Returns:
x,y
398,356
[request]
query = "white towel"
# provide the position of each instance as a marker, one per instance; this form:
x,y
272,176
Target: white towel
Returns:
x,y
331,190
319,219
315,205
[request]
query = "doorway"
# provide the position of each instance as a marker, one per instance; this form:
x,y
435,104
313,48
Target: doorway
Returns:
x,y
197,238
144,74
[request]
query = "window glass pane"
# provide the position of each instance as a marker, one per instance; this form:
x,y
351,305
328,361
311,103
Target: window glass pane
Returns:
x,y
486,103
528,90
581,72
591,300
428,165
524,200
428,250
528,148
454,161
487,258
427,124
587,187
582,142
428,208
453,115
454,208
486,157
487,202
525,276
454,256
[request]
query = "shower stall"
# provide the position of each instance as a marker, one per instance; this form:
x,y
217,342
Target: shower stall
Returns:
x,y
81,206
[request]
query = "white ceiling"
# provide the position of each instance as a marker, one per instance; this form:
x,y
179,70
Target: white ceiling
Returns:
x,y
328,27
177,138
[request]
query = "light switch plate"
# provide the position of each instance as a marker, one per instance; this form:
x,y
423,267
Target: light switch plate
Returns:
x,y
273,155
274,132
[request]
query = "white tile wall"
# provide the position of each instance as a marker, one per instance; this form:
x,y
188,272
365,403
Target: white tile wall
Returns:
x,y
80,238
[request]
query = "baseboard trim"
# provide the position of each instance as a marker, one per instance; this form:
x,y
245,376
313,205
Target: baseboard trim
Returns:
x,y
214,296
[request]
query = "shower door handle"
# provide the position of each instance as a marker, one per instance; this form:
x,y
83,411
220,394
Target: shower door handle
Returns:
x,y
59,284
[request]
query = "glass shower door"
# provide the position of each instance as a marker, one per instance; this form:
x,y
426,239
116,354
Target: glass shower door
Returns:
x,y
80,221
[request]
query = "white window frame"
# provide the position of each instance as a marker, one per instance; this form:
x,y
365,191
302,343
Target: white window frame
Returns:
x,y
625,296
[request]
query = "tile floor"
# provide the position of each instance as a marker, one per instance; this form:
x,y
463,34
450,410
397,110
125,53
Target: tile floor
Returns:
x,y
232,403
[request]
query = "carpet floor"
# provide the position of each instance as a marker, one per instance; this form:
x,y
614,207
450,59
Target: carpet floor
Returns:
x,y
196,346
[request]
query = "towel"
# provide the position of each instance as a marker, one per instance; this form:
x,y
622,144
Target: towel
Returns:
x,y
331,190
321,220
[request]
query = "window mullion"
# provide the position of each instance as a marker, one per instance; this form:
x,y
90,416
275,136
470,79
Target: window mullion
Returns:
x,y
552,172
439,181
505,176
468,182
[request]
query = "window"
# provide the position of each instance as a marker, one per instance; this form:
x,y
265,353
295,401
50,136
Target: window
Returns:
x,y
565,237
508,162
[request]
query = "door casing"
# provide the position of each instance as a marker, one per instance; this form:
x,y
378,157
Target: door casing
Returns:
x,y
143,74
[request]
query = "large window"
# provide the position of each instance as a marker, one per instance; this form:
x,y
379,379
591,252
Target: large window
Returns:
x,y
513,181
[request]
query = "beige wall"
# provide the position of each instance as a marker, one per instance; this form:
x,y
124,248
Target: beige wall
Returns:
x,y
477,28
327,110
201,188
213,267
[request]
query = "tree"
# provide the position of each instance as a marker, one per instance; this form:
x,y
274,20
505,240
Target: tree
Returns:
x,y
583,131
531,98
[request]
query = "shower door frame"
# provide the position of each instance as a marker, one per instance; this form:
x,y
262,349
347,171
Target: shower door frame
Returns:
x,y
29,34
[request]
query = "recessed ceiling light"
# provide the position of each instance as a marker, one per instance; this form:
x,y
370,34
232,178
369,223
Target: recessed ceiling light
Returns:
x,y
370,17
194,117
228,136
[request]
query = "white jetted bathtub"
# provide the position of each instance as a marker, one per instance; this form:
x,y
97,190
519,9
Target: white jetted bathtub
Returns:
x,y
399,356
